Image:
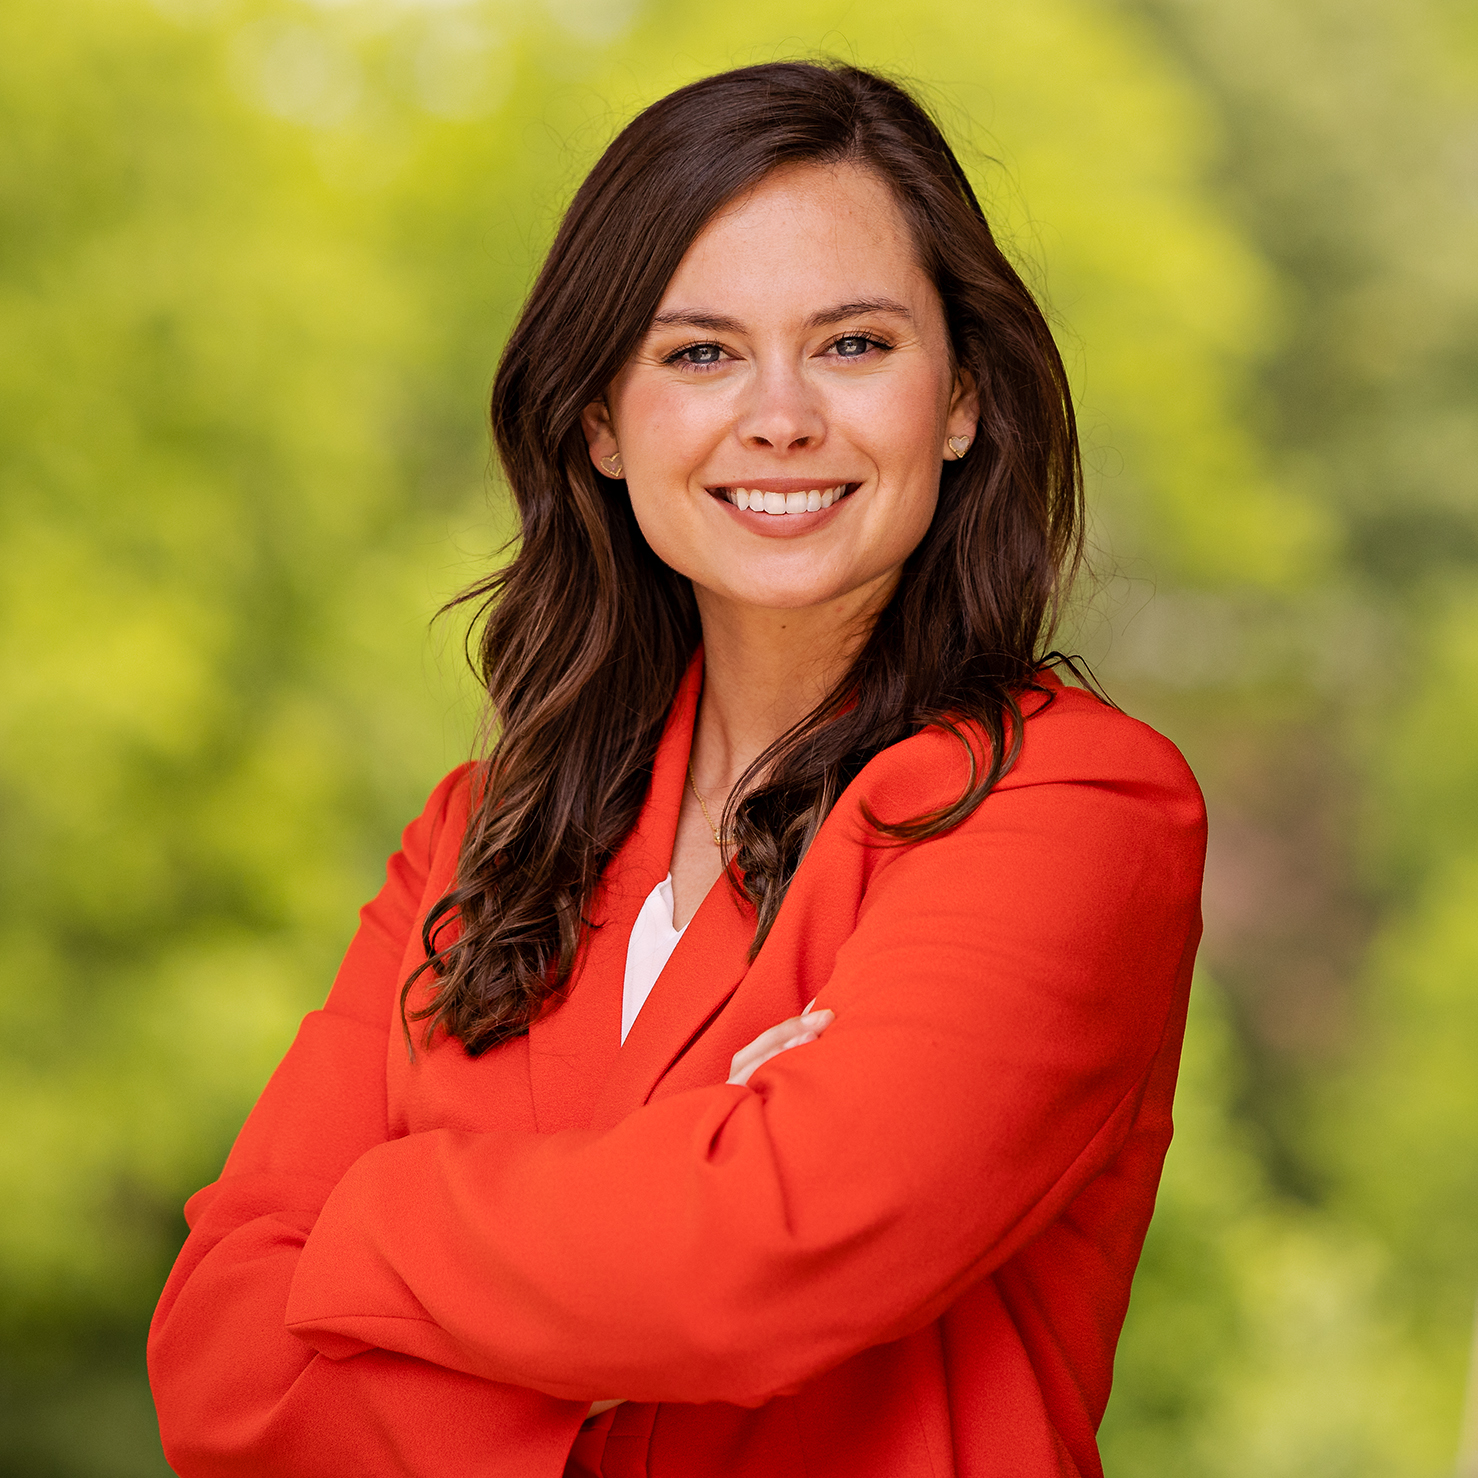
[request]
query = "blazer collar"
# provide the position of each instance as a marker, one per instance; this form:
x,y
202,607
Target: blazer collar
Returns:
x,y
706,968
580,1073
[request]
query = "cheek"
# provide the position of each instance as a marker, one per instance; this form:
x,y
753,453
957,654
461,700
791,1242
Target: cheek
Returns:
x,y
666,508
906,523
665,437
899,417
662,423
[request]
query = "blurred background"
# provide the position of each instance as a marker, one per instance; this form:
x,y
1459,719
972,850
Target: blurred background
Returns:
x,y
256,264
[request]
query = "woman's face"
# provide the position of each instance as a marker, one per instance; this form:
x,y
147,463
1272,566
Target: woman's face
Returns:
x,y
799,363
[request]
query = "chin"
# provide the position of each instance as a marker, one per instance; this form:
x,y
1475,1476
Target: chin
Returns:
x,y
793,593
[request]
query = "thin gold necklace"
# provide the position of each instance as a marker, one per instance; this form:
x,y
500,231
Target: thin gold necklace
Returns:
x,y
718,841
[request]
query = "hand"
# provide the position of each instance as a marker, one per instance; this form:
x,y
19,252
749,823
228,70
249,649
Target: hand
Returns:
x,y
795,1032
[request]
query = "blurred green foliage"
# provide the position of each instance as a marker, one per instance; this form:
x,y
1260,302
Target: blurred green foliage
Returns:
x,y
256,260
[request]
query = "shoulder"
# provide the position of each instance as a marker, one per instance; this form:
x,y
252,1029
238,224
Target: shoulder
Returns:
x,y
416,875
450,803
432,842
1070,735
1071,741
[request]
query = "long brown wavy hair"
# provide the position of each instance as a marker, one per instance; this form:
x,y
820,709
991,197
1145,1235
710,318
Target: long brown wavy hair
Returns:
x,y
586,633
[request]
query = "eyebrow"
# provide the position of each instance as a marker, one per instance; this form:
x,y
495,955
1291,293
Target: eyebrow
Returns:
x,y
720,323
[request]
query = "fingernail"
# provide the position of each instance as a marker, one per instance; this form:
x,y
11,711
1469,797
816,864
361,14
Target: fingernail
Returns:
x,y
819,1018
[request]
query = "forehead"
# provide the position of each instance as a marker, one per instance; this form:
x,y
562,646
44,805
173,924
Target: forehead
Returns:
x,y
804,234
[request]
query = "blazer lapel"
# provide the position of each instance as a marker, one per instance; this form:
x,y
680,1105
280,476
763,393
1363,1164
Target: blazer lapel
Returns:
x,y
706,968
711,958
574,1044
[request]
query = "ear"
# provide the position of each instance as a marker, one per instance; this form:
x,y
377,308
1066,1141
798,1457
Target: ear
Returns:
x,y
600,434
964,407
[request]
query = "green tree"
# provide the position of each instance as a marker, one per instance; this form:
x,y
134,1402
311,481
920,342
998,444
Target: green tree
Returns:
x,y
256,260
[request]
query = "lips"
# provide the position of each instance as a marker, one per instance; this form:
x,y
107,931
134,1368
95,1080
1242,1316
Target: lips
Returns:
x,y
779,504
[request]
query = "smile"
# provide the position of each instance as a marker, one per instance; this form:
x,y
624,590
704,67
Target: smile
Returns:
x,y
762,500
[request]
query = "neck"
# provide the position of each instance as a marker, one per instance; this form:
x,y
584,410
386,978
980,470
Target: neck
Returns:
x,y
765,670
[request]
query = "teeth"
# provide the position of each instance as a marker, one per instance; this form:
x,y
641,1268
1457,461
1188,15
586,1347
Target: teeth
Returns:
x,y
779,503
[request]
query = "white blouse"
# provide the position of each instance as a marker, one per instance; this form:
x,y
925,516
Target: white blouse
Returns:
x,y
653,940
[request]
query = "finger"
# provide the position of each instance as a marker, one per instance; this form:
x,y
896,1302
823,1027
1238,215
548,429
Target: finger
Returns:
x,y
792,1033
767,1041
799,1041
741,1076
746,1057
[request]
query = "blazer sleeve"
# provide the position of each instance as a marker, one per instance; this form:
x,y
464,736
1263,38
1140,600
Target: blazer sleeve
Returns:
x,y
236,1392
999,1007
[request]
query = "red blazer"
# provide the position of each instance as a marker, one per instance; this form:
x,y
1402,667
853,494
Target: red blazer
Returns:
x,y
903,1251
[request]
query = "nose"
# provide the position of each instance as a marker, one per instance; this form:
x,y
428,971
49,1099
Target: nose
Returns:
x,y
780,410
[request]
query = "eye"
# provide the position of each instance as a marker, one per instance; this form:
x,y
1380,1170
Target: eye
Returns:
x,y
698,355
854,346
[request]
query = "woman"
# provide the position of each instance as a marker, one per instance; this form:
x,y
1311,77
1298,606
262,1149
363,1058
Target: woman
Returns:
x,y
542,1189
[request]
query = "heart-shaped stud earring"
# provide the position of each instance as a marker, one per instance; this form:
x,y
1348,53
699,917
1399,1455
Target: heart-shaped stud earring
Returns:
x,y
612,464
959,445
